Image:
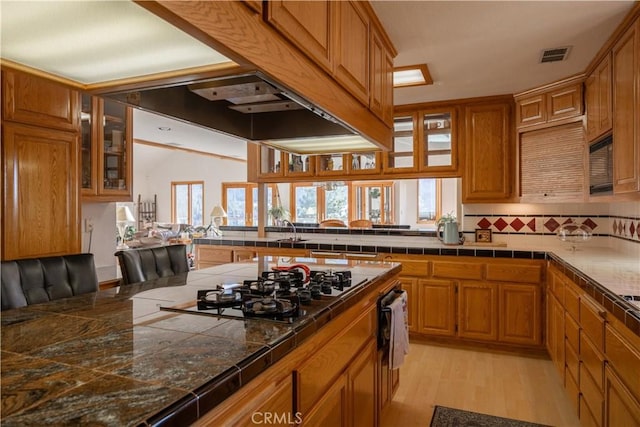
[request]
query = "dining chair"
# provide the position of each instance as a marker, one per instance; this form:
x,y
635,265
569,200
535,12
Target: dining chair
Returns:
x,y
38,280
141,265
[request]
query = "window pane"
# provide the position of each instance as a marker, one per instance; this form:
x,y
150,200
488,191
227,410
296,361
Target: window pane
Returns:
x,y
182,204
336,202
307,204
196,204
427,199
236,202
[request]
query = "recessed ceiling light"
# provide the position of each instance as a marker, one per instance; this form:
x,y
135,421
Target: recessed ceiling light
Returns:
x,y
164,128
412,75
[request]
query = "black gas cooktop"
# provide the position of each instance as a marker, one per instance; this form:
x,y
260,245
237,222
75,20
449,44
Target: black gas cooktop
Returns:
x,y
283,294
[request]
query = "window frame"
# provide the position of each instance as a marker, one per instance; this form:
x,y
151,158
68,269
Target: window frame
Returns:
x,y
438,201
248,193
357,185
174,213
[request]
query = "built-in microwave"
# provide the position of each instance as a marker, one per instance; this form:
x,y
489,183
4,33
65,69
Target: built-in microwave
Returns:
x,y
601,166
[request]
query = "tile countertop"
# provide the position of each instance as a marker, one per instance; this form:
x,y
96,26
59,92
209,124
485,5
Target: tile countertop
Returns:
x,y
616,272
113,358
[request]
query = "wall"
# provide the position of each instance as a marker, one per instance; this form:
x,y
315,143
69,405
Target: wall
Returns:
x,y
614,224
154,168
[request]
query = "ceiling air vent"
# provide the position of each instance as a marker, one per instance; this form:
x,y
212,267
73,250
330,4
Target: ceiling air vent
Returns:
x,y
555,54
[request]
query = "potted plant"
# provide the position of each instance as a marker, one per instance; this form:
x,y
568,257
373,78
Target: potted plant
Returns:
x,y
278,213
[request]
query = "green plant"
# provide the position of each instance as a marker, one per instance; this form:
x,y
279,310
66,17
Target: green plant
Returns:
x,y
278,212
446,218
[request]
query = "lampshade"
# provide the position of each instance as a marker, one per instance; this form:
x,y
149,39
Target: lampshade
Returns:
x,y
123,214
218,212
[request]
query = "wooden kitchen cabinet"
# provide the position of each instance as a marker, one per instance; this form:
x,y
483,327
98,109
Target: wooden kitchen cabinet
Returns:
x,y
478,311
351,48
488,164
555,333
107,146
361,381
437,307
519,313
308,25
209,256
332,409
40,167
41,216
381,77
410,286
597,88
549,104
626,111
39,102
621,407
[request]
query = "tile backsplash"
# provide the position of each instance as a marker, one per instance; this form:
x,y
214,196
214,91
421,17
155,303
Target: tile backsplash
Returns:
x,y
615,224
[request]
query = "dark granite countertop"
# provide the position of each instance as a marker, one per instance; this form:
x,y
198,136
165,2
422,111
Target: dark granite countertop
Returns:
x,y
114,358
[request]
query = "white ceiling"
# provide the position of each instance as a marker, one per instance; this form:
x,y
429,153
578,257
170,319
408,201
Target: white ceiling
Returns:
x,y
480,48
472,48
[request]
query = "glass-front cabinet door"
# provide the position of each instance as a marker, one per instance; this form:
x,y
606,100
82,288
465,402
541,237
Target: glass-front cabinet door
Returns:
x,y
331,164
115,150
374,201
89,178
401,158
364,163
107,142
271,161
437,148
300,165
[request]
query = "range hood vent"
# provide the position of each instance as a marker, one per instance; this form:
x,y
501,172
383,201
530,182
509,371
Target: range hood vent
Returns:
x,y
250,107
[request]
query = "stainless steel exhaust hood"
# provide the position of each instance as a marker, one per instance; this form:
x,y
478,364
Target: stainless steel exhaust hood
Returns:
x,y
251,107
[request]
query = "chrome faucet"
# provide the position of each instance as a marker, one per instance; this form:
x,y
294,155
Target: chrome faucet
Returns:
x,y
295,237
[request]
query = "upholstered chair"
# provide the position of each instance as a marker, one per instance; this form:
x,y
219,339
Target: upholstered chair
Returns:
x,y
38,280
141,265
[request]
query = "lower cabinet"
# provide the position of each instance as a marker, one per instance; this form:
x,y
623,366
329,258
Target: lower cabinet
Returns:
x,y
410,286
621,407
478,311
519,313
436,307
361,380
332,409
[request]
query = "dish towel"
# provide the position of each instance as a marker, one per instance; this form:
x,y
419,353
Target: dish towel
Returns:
x,y
399,337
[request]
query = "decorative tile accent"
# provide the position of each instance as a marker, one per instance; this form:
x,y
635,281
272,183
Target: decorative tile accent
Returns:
x,y
500,224
532,225
517,224
484,223
589,223
551,225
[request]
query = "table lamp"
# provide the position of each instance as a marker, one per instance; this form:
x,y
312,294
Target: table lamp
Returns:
x,y
123,216
217,213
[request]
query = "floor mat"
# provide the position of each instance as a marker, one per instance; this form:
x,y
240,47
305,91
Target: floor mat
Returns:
x,y
449,417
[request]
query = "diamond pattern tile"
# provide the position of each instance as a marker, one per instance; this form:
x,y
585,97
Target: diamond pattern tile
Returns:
x,y
517,224
632,229
615,226
484,223
551,224
500,224
590,223
532,225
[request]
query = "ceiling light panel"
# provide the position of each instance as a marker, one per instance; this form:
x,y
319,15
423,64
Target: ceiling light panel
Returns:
x,y
97,41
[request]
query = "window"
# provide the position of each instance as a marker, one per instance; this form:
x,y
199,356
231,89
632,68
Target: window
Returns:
x,y
429,200
312,203
374,200
187,202
240,201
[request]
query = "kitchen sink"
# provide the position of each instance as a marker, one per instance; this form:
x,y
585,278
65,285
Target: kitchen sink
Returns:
x,y
290,240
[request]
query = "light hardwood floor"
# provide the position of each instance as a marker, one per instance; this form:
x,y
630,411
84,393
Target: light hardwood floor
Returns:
x,y
500,384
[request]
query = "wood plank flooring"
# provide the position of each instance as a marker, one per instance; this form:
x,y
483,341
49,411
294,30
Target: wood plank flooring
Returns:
x,y
494,383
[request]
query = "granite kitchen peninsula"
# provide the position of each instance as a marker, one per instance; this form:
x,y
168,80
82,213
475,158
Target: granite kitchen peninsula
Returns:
x,y
144,355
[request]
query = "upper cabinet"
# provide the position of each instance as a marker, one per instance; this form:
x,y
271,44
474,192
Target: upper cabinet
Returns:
x,y
424,141
40,165
626,111
488,161
598,100
550,104
345,39
107,144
